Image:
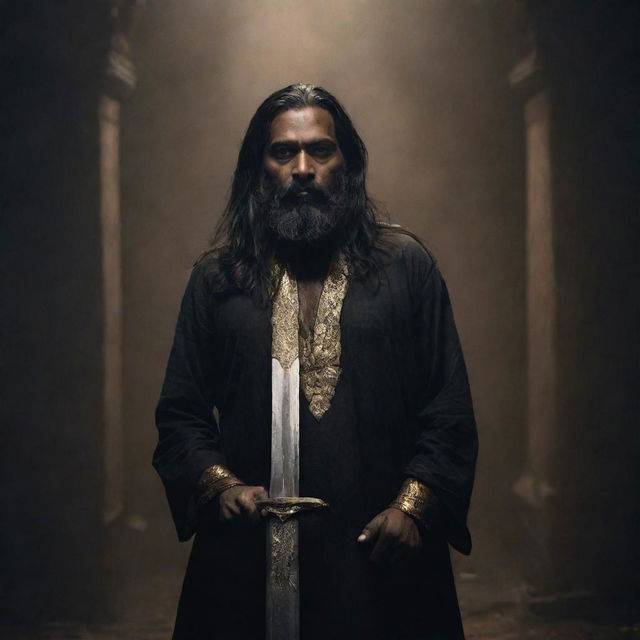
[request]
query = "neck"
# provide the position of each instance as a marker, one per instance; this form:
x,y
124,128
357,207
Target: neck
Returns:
x,y
307,262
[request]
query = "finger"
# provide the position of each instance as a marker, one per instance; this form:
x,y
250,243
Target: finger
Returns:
x,y
410,536
370,530
383,547
249,511
404,552
416,541
225,514
260,493
233,508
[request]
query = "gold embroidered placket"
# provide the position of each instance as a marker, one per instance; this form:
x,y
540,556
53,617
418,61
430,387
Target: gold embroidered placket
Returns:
x,y
284,320
320,352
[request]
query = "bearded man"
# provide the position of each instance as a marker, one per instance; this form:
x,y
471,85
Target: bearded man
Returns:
x,y
386,430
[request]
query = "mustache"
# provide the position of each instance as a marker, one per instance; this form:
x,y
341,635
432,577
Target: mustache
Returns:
x,y
291,195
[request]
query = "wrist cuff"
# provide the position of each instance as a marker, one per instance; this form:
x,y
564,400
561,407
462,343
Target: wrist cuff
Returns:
x,y
413,499
213,481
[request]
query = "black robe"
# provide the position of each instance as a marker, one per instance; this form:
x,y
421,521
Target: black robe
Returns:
x,y
402,408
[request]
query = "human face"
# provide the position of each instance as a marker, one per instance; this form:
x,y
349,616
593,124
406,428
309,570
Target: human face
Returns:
x,y
303,148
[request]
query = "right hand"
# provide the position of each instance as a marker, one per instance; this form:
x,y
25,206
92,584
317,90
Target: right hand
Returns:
x,y
394,536
238,504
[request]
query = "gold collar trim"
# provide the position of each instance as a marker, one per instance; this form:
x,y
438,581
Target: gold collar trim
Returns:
x,y
284,318
320,352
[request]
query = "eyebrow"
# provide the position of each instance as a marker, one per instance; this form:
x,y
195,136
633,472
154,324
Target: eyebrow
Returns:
x,y
295,143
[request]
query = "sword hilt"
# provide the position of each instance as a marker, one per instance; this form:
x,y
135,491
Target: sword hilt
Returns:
x,y
284,508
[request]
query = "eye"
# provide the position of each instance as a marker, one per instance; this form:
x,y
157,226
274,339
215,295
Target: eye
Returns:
x,y
323,151
281,152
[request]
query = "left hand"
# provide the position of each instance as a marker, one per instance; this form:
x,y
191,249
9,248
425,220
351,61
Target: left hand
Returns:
x,y
395,537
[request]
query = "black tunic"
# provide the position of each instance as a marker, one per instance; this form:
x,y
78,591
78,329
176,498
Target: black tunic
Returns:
x,y
401,408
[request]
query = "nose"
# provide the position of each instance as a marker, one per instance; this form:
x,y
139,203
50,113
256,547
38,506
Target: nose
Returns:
x,y
303,169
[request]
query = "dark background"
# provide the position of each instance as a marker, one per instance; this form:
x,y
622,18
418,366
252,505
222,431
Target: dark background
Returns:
x,y
427,84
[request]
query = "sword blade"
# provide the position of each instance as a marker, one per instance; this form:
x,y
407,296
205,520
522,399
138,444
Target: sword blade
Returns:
x,y
285,429
283,600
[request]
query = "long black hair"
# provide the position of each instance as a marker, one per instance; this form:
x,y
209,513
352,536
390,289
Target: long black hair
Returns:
x,y
244,258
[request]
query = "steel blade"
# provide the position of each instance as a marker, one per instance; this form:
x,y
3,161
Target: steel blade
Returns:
x,y
285,429
283,599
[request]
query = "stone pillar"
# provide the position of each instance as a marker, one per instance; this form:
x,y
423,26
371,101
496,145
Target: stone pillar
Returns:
x,y
109,114
120,82
535,485
581,480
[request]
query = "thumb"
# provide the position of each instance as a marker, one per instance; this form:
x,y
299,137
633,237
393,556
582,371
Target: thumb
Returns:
x,y
370,530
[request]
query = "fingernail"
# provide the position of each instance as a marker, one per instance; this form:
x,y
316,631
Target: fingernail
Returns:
x,y
362,537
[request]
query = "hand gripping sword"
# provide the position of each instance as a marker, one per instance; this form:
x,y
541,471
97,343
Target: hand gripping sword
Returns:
x,y
283,598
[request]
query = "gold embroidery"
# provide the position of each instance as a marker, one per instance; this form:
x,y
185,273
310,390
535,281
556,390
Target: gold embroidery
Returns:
x,y
413,498
320,351
284,541
284,320
215,480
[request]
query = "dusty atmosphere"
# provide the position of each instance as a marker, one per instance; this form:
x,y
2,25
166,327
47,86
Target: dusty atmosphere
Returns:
x,y
503,133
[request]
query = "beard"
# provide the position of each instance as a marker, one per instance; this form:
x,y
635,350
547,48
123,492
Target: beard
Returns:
x,y
296,223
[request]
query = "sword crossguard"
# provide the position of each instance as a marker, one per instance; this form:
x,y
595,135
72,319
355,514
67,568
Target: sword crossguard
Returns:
x,y
284,508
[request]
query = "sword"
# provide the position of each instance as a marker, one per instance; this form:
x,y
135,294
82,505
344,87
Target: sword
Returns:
x,y
283,597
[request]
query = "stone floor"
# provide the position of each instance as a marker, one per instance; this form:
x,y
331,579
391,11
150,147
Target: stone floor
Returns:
x,y
507,624
496,625
509,613
501,621
512,625
491,612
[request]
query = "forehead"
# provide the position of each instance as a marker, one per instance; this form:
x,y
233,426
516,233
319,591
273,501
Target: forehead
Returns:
x,y
309,123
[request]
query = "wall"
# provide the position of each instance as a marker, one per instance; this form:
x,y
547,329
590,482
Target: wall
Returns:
x,y
592,57
426,84
52,537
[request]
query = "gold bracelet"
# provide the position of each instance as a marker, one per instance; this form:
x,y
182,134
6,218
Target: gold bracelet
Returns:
x,y
413,499
214,480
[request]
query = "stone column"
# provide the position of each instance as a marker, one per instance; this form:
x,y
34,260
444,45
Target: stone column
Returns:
x,y
535,485
109,114
120,81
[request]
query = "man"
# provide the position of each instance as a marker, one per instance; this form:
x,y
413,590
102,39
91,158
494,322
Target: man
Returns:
x,y
387,434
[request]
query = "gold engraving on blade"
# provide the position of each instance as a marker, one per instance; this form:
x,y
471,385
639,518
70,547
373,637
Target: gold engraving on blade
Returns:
x,y
320,351
283,546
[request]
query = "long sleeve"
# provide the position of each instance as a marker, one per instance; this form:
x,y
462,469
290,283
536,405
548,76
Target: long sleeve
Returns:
x,y
188,434
446,446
